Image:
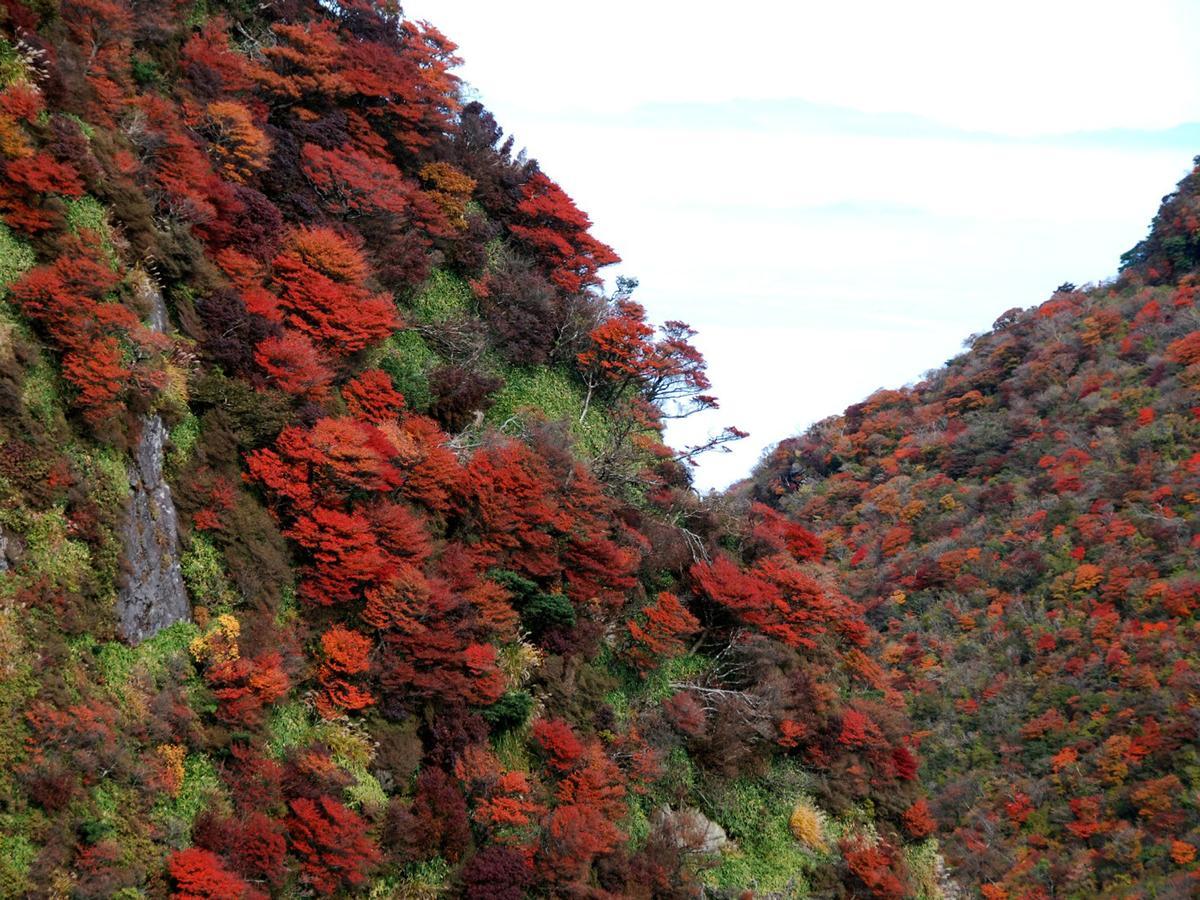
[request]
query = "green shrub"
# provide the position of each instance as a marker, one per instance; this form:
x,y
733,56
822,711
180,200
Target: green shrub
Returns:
x,y
546,611
553,394
443,296
16,257
201,789
755,813
118,662
408,360
510,711
203,567
89,213
184,436
16,855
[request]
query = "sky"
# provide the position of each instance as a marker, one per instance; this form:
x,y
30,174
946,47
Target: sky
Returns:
x,y
836,195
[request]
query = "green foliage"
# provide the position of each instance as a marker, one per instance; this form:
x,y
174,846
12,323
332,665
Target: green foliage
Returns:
x,y
184,435
17,853
145,72
510,711
408,360
122,668
198,14
512,749
201,789
538,609
18,683
289,726
553,394
546,611
13,66
678,669
922,861
755,814
50,551
42,394
422,880
366,793
89,213
203,567
16,257
105,470
443,296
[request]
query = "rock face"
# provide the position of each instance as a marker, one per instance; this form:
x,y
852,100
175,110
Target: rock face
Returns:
x,y
950,889
691,829
153,596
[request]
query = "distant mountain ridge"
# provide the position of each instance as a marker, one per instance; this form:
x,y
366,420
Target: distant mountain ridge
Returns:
x,y
1022,528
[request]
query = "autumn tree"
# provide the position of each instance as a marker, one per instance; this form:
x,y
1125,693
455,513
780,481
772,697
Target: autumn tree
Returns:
x,y
331,842
201,875
667,623
557,231
322,294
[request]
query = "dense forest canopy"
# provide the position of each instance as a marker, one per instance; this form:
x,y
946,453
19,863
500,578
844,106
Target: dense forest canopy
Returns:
x,y
291,337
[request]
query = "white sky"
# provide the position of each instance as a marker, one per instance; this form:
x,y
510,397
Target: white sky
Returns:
x,y
836,194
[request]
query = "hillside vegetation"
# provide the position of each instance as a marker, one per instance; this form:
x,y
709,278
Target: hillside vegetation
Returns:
x,y
1022,528
458,625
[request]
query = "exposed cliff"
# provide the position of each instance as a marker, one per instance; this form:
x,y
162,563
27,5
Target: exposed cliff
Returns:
x,y
153,595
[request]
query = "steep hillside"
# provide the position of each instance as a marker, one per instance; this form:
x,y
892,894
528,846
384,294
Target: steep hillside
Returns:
x,y
339,550
1022,528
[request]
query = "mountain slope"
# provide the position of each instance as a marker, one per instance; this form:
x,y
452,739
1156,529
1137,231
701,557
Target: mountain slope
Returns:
x,y
1022,528
455,622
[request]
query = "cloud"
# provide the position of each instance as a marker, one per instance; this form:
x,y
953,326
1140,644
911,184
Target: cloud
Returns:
x,y
835,195
1022,67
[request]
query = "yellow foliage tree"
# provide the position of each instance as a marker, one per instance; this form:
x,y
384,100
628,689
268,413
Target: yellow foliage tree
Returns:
x,y
238,146
807,826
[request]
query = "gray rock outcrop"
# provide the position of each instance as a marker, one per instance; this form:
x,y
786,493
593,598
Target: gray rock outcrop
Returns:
x,y
691,830
153,596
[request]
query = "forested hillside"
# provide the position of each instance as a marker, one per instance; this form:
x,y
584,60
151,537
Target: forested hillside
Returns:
x,y
1022,529
340,553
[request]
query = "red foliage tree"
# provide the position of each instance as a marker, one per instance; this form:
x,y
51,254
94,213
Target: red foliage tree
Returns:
x,y
431,640
667,623
918,821
779,533
556,230
666,370
294,365
874,866
372,397
355,183
859,730
260,849
244,687
102,31
345,555
496,873
201,875
558,742
321,293
439,810
347,655
583,824
211,65
781,600
238,146
332,844
99,378
1185,350
67,299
